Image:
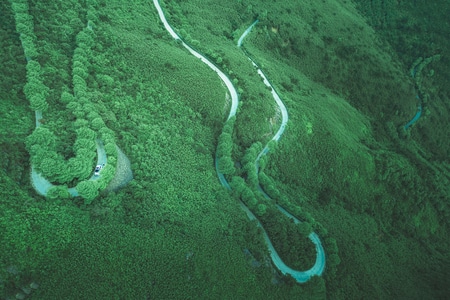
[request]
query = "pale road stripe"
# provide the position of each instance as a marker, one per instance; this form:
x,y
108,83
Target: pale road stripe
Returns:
x,y
42,185
225,79
299,276
319,265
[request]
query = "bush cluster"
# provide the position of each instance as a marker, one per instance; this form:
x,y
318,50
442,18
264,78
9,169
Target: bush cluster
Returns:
x,y
91,131
225,148
35,91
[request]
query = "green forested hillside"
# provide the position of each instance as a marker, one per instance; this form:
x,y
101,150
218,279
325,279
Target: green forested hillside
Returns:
x,y
378,196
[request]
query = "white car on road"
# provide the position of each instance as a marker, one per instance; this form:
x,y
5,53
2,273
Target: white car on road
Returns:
x,y
98,168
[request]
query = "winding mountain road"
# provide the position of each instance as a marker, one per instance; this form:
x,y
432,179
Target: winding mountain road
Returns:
x,y
319,266
42,185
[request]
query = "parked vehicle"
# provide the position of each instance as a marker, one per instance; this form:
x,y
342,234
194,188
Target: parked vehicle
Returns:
x,y
98,168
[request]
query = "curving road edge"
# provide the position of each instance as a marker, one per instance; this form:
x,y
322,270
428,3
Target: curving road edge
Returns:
x,y
42,185
319,266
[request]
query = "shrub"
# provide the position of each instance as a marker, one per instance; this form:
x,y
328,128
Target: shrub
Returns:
x,y
87,190
38,102
58,192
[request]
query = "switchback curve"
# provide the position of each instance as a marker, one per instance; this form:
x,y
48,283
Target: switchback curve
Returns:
x,y
319,266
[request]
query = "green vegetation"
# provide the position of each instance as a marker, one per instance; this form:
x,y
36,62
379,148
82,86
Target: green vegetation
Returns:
x,y
299,252
42,144
225,148
379,203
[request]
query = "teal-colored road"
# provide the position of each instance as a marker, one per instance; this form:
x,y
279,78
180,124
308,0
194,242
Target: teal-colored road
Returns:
x,y
319,266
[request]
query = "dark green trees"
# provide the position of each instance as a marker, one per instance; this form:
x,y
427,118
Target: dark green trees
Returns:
x,y
224,149
89,128
35,91
88,190
249,163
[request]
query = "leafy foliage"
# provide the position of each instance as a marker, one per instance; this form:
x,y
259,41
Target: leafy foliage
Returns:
x,y
174,232
42,144
88,190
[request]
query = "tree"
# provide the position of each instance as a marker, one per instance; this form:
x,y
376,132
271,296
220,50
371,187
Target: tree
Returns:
x,y
86,144
269,186
261,210
225,145
333,260
49,167
92,14
66,97
80,72
81,123
38,102
252,176
111,149
79,54
85,133
107,135
304,228
92,113
249,162
41,136
76,167
85,39
19,7
78,65
108,173
87,189
105,81
22,17
331,245
250,155
86,155
97,123
58,192
316,288
34,86
320,229
272,145
33,69
262,163
249,198
226,165
28,46
79,86
237,185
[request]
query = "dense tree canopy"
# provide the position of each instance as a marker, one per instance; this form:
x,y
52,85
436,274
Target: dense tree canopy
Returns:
x,y
107,72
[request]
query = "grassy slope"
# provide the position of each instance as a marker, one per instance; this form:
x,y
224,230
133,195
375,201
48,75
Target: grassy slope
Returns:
x,y
176,233
173,232
350,164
